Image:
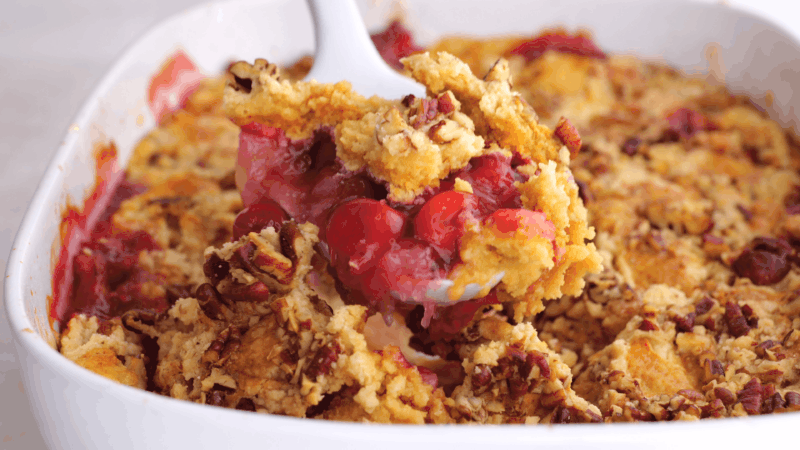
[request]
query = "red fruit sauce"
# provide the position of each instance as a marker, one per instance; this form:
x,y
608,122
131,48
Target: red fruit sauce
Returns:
x,y
394,43
96,271
559,42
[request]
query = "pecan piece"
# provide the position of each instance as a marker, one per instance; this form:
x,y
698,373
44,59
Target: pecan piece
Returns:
x,y
569,135
773,402
691,394
323,360
256,292
138,320
177,291
228,341
245,404
216,269
210,301
703,306
751,396
724,395
482,376
737,323
684,323
713,369
685,122
712,409
215,398
792,400
647,325
537,358
631,146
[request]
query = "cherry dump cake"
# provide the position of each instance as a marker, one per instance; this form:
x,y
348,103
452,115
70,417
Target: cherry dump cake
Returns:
x,y
612,241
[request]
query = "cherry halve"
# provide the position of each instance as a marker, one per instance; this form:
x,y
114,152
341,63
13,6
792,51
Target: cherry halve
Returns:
x,y
256,217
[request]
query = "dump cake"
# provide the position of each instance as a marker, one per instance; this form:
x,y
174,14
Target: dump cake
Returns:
x,y
273,242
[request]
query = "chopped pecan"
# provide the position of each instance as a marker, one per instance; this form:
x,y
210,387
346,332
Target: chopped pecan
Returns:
x,y
561,415
323,360
517,387
761,348
289,235
178,291
792,400
215,398
228,341
724,395
773,375
684,323
710,323
703,306
583,191
433,132
216,269
553,399
631,146
746,213
482,376
685,122
426,111
691,394
713,369
246,404
593,416
540,360
773,402
713,409
137,320
647,325
210,301
445,103
751,396
642,416
569,135
256,292
737,323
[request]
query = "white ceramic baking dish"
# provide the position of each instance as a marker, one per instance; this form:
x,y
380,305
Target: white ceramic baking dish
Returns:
x,y
78,409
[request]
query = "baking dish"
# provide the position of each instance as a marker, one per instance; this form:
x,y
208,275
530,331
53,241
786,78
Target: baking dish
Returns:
x,y
77,409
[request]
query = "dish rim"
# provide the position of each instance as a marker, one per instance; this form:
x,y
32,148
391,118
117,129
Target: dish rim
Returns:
x,y
26,338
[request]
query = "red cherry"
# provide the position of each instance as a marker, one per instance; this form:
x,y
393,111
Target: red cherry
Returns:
x,y
440,221
256,217
359,232
493,179
530,223
334,187
402,272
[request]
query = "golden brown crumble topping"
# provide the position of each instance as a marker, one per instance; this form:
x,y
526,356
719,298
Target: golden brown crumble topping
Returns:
x,y
692,191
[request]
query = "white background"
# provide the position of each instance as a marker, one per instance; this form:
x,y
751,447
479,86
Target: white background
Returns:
x,y
51,55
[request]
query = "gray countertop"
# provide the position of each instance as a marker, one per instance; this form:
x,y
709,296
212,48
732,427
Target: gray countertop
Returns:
x,y
51,55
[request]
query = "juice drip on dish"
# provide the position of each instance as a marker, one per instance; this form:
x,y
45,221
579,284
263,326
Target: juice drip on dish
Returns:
x,y
96,271
169,89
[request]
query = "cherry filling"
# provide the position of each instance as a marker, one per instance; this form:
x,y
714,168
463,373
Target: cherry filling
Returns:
x,y
394,43
559,42
107,280
384,253
96,272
